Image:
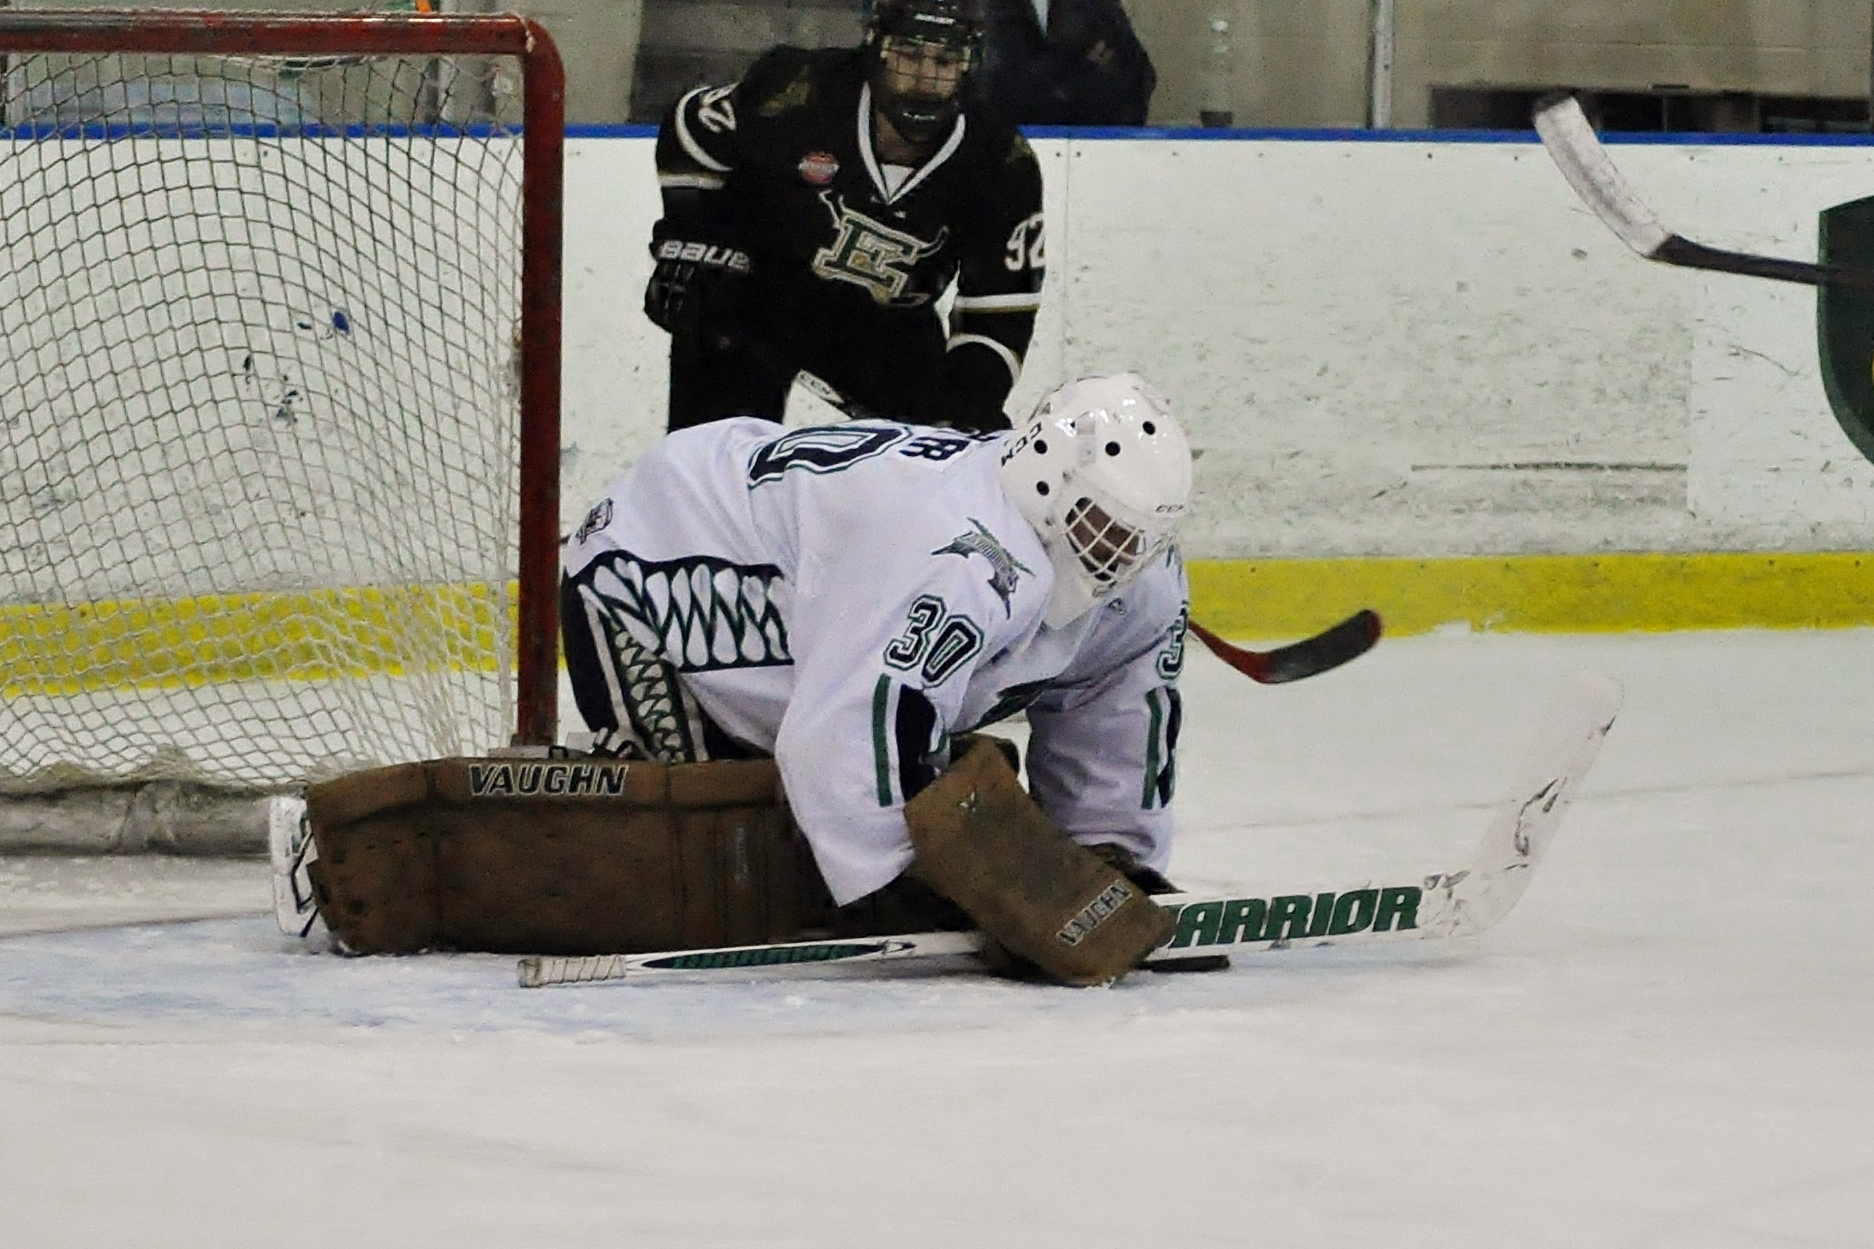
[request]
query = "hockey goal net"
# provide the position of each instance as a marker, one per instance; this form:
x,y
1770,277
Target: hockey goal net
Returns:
x,y
279,393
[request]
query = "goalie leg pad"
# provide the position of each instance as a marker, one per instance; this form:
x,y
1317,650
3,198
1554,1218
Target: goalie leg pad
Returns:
x,y
981,841
563,856
373,867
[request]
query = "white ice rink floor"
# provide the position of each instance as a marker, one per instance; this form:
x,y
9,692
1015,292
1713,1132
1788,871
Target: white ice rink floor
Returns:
x,y
1669,1044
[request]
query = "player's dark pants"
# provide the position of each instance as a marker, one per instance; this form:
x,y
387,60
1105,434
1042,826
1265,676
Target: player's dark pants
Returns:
x,y
719,371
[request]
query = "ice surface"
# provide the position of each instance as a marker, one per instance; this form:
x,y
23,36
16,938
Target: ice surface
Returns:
x,y
48,894
1669,1044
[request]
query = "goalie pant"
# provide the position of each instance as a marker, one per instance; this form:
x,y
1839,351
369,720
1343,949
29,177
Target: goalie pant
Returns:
x,y
845,599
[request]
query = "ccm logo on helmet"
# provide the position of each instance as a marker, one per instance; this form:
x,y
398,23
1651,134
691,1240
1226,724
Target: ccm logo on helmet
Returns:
x,y
1019,445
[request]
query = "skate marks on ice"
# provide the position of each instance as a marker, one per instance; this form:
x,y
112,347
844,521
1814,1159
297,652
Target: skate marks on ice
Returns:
x,y
243,972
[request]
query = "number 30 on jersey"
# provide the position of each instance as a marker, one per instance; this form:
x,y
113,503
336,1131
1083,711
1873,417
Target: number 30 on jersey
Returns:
x,y
934,643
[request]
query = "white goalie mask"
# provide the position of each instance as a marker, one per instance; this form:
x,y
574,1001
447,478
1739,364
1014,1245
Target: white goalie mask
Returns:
x,y
1101,469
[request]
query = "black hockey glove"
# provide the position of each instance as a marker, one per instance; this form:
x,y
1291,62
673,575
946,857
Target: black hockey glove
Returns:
x,y
967,393
693,279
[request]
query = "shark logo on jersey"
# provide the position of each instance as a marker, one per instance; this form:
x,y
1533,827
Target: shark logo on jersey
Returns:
x,y
794,95
598,518
872,254
700,614
1005,568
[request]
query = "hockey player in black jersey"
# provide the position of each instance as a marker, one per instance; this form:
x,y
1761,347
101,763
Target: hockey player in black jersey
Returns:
x,y
815,211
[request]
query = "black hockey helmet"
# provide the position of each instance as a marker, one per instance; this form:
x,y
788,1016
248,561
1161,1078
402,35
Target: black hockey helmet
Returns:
x,y
943,41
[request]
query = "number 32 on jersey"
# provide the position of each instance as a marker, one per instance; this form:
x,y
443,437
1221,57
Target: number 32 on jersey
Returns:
x,y
1026,249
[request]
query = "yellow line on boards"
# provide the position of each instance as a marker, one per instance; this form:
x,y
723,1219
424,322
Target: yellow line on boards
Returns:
x,y
1617,593
397,630
300,635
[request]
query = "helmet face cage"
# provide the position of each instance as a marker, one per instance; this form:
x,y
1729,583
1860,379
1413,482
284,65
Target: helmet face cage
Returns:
x,y
1111,551
919,55
1103,473
922,69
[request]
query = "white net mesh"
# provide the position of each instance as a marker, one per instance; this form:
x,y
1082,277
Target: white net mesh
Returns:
x,y
258,415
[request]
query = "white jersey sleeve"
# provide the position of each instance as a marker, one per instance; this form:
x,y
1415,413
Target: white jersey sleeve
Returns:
x,y
1102,756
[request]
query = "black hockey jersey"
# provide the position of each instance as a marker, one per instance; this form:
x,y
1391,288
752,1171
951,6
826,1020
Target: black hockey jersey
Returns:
x,y
844,248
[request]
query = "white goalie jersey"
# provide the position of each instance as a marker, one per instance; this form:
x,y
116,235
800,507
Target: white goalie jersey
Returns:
x,y
847,598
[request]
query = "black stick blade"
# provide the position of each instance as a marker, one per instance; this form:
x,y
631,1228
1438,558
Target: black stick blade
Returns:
x,y
1325,651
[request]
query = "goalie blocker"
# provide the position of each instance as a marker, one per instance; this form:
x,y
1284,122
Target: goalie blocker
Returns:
x,y
580,856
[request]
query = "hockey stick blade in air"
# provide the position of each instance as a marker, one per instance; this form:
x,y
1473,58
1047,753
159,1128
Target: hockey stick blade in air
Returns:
x,y
1460,903
1577,152
1350,639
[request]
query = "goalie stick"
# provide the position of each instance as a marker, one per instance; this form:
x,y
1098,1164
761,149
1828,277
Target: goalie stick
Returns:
x,y
1571,143
1329,649
1459,903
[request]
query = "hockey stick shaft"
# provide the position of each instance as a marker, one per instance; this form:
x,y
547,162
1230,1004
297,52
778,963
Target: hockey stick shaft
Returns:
x,y
1442,904
1390,911
1572,144
1685,254
1325,651
539,971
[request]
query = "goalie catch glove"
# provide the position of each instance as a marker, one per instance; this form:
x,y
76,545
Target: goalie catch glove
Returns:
x,y
694,279
1004,962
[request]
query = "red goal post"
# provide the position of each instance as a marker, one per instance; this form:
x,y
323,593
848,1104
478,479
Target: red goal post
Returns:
x,y
310,54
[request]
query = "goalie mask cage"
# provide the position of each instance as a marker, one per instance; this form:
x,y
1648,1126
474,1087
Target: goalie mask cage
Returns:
x,y
279,392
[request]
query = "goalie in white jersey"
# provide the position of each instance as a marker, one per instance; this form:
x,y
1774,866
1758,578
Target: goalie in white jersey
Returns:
x,y
849,598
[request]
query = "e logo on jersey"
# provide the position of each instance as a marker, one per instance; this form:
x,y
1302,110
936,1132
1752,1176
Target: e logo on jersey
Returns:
x,y
871,254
